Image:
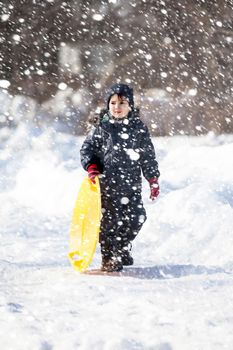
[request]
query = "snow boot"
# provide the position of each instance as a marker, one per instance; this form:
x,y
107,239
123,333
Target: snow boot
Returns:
x,y
126,258
111,264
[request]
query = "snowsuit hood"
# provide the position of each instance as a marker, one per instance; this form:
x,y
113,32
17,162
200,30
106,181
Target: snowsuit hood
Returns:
x,y
122,90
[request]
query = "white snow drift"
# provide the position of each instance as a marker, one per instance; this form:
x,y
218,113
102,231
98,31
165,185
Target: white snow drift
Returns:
x,y
177,296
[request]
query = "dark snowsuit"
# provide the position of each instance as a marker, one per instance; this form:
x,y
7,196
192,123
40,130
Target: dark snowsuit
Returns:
x,y
121,148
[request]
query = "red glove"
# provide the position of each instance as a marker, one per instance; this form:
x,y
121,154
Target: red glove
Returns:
x,y
93,172
154,188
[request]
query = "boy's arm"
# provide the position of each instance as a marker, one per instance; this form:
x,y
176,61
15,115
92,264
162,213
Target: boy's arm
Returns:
x,y
90,150
149,163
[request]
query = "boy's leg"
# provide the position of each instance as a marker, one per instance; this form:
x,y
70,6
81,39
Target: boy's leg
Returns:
x,y
134,218
108,230
120,225
109,240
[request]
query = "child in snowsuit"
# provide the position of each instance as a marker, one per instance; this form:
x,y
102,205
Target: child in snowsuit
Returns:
x,y
117,150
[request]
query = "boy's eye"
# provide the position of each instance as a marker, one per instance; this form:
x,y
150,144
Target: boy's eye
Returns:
x,y
121,102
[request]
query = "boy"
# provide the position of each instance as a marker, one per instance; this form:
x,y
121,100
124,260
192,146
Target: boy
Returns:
x,y
118,149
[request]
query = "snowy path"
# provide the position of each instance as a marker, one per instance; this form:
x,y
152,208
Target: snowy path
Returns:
x,y
52,307
179,294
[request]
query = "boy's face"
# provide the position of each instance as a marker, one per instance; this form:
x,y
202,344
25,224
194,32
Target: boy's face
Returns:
x,y
119,106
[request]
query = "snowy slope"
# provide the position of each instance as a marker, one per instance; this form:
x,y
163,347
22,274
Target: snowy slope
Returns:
x,y
179,293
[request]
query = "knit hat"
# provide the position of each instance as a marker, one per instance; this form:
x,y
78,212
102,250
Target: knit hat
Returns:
x,y
122,90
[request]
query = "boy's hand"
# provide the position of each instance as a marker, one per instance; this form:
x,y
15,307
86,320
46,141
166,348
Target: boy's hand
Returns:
x,y
154,188
93,172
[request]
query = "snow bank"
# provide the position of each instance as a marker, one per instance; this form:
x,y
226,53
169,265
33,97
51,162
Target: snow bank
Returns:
x,y
179,293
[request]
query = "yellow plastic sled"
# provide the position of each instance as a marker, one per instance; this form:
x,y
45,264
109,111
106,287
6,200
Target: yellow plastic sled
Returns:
x,y
84,231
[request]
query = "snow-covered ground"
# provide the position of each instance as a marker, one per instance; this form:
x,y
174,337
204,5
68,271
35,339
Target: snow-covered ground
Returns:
x,y
178,295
